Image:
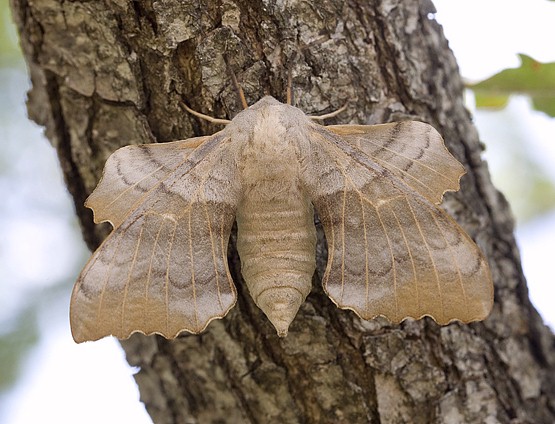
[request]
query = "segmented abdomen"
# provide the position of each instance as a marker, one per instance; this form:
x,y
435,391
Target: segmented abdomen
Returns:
x,y
276,243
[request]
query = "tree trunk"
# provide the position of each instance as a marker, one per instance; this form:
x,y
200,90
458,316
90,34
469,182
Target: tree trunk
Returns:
x,y
110,73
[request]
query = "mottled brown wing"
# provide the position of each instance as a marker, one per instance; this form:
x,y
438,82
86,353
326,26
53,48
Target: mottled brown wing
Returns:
x,y
412,151
391,251
164,267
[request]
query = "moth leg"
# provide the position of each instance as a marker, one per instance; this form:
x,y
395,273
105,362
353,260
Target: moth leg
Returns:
x,y
289,88
206,117
329,115
240,92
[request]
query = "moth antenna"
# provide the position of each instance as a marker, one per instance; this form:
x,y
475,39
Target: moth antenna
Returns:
x,y
240,92
329,115
206,117
289,88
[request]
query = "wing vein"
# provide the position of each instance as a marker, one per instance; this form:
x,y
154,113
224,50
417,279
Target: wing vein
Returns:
x,y
224,255
343,237
167,277
366,270
131,267
331,255
149,273
454,259
410,256
192,260
213,250
395,294
108,275
431,259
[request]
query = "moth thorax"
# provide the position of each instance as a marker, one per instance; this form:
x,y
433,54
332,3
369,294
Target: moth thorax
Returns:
x,y
276,241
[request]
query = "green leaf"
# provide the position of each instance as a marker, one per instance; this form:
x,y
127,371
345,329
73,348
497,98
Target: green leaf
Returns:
x,y
532,78
544,103
490,101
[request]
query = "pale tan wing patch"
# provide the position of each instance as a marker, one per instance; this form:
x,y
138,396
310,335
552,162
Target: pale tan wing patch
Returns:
x,y
412,151
164,269
131,172
391,252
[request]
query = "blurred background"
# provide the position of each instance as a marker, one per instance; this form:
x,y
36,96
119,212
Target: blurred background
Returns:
x,y
46,377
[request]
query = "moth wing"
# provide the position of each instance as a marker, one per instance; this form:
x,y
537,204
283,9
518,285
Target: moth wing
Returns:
x,y
391,251
412,151
164,267
131,172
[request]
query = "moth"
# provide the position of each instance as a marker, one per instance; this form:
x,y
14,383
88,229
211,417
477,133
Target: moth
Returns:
x,y
391,250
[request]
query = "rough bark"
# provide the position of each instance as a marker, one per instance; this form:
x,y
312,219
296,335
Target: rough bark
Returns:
x,y
110,73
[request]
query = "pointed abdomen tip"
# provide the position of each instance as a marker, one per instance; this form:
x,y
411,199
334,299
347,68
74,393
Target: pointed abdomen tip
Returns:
x,y
280,304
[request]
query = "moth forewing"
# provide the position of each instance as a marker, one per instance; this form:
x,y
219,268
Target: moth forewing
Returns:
x,y
412,151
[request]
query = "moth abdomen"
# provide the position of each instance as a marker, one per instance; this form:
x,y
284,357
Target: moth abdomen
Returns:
x,y
276,242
